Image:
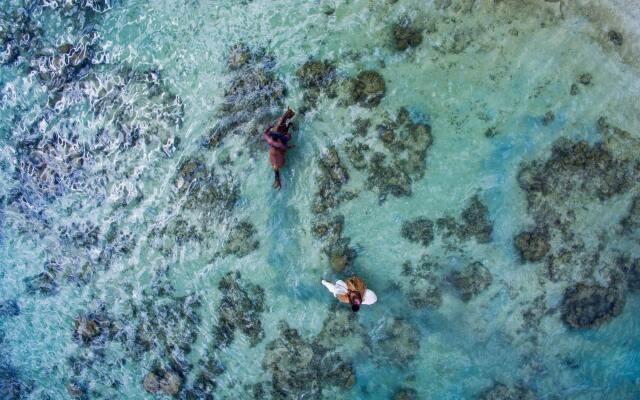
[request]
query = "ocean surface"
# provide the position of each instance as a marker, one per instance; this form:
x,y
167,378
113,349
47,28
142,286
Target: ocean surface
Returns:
x,y
476,162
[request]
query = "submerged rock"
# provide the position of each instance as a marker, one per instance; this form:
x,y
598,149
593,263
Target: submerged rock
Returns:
x,y
163,382
421,284
242,240
368,88
589,306
471,281
532,246
419,230
500,391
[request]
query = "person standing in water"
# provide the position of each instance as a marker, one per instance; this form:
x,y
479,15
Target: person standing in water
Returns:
x,y
352,291
277,136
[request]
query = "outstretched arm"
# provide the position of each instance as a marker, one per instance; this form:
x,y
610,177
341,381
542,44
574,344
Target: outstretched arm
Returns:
x,y
336,290
284,118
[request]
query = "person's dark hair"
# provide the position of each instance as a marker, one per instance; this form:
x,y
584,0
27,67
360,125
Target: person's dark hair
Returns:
x,y
278,136
355,301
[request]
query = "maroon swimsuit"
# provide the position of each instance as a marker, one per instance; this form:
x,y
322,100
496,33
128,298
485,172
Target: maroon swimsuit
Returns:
x,y
277,149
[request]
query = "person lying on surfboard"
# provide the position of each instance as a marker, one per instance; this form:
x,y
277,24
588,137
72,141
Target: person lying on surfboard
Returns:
x,y
352,291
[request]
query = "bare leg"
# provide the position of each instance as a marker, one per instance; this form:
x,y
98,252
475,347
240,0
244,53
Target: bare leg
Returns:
x,y
276,182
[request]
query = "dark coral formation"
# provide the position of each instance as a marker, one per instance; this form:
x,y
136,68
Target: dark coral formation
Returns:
x,y
405,142
475,223
387,177
9,308
301,368
615,37
340,323
174,233
240,309
578,166
575,170
406,34
253,97
585,78
419,230
471,281
204,189
500,391
161,381
162,324
588,306
317,77
405,394
632,274
561,191
398,342
631,222
11,386
421,283
532,246
93,328
241,240
44,283
238,56
316,74
336,247
368,88
333,175
20,35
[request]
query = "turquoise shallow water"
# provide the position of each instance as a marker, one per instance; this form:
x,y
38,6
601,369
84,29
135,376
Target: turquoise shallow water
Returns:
x,y
140,238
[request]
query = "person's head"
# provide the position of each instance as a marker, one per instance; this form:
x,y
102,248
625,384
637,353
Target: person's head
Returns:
x,y
278,136
355,300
